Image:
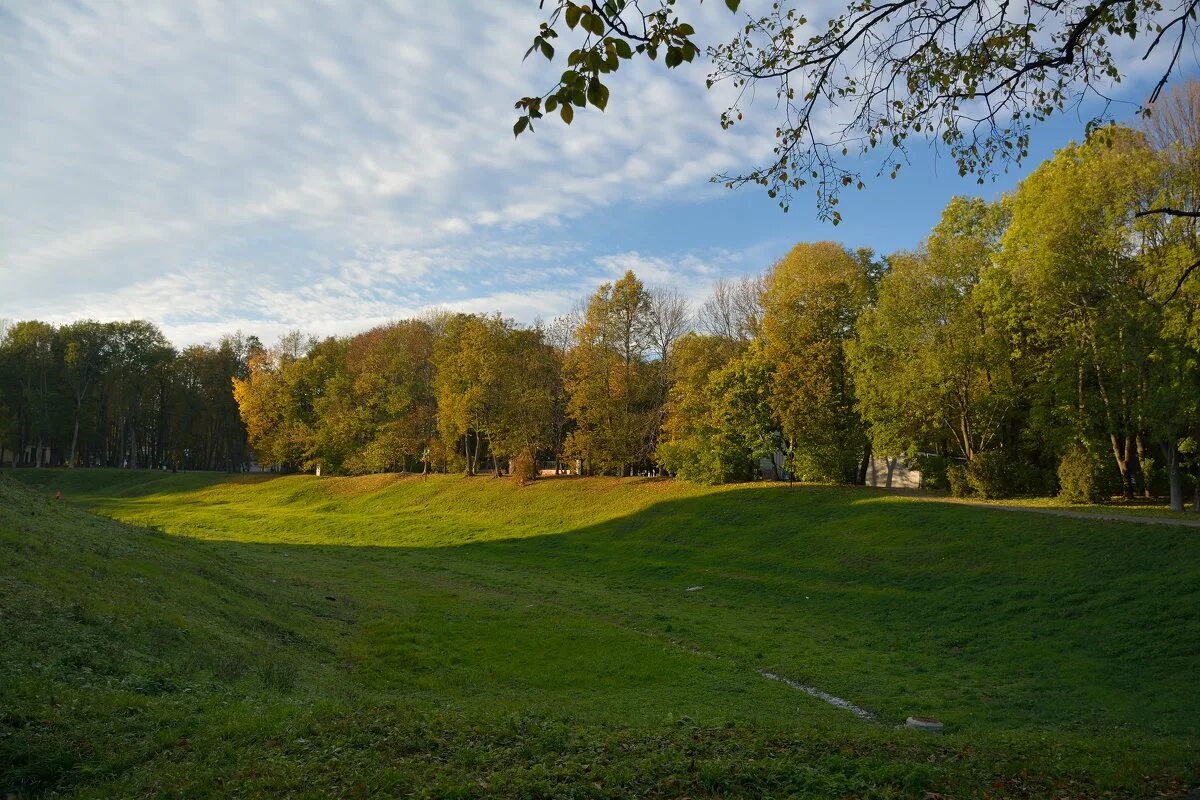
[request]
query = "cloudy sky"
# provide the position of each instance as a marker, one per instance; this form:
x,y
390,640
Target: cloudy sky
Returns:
x,y
214,166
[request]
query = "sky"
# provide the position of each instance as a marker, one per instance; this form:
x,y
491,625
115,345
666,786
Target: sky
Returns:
x,y
328,166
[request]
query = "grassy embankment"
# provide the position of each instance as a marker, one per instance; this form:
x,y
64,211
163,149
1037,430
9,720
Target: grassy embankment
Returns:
x,y
462,637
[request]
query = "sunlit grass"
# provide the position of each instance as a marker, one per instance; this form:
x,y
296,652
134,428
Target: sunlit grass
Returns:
x,y
501,625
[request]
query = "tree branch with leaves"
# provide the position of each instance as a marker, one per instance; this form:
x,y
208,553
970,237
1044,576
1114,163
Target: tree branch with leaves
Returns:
x,y
970,76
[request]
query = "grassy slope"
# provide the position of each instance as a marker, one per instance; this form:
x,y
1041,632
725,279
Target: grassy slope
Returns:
x,y
482,633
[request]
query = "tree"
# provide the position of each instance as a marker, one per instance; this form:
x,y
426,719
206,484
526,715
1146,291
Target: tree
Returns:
x,y
383,398
531,394
497,385
276,401
972,77
814,297
559,337
614,394
718,421
31,349
468,366
695,445
734,311
140,354
928,363
1072,286
87,351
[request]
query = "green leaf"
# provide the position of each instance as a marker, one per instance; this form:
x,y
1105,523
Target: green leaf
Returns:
x,y
567,113
547,50
593,24
597,94
623,49
733,4
521,125
574,12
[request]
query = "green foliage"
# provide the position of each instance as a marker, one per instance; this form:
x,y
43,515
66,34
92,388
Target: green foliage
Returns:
x,y
991,475
1079,476
957,481
927,362
719,421
811,304
117,393
918,71
524,466
933,470
614,389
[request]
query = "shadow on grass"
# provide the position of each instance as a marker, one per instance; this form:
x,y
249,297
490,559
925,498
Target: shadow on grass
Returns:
x,y
1016,627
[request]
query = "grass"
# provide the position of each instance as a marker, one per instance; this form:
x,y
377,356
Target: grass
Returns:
x,y
267,636
1115,506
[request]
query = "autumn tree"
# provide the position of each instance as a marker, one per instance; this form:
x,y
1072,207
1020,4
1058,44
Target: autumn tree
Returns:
x,y
813,299
719,423
277,401
380,401
613,388
467,364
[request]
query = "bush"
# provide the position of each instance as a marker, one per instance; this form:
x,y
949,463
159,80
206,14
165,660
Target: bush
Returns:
x,y
704,460
933,470
524,466
1079,477
1032,480
992,475
956,480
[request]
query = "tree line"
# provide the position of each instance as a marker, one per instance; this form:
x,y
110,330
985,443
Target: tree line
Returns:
x,y
117,394
473,392
1045,342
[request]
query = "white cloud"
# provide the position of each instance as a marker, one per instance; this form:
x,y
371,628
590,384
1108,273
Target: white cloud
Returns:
x,y
267,165
341,163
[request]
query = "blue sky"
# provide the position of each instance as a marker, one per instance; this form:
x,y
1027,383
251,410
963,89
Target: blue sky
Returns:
x,y
327,166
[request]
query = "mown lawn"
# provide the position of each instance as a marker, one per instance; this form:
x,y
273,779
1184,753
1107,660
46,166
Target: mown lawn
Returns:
x,y
454,637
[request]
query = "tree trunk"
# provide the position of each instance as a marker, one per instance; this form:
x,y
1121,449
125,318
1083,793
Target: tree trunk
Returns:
x,y
1122,453
74,441
863,465
1171,451
1141,453
891,465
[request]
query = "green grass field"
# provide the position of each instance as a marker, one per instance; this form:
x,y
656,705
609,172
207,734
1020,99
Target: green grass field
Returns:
x,y
294,636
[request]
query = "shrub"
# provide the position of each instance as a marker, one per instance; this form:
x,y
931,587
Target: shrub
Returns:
x,y
956,480
991,475
1030,479
704,460
1079,476
933,470
524,466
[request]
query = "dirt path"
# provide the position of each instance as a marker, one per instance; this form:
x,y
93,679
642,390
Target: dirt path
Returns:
x,y
1103,516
